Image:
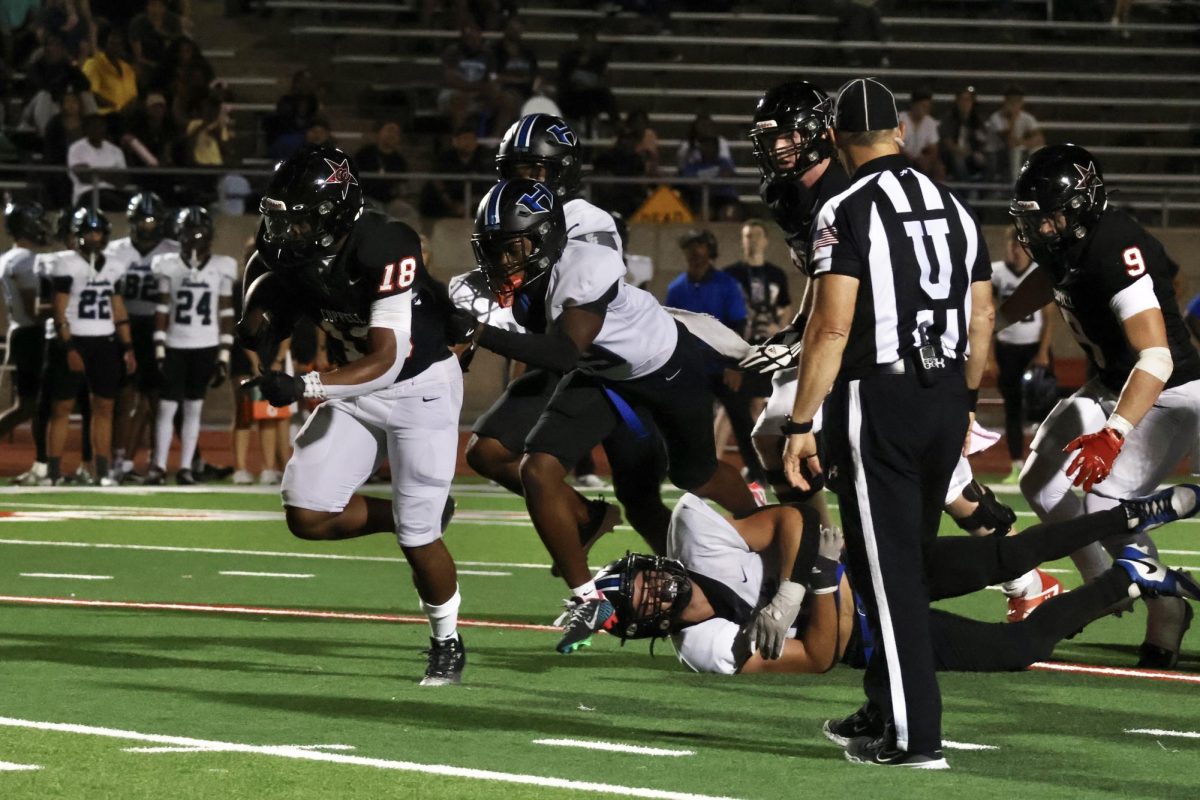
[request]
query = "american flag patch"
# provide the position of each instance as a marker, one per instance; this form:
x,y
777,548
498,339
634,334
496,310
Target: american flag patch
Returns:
x,y
825,237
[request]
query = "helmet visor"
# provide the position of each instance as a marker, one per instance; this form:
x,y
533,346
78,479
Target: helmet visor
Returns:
x,y
282,227
504,259
1037,228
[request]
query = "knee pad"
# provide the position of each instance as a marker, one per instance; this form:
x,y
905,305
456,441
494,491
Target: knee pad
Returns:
x,y
991,515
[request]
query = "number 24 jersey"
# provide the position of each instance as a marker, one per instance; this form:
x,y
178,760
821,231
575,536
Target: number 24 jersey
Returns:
x,y
193,296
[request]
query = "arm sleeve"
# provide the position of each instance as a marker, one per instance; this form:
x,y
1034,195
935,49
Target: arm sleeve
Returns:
x,y
393,312
553,351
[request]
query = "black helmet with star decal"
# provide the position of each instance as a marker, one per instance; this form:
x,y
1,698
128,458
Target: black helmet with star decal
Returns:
x,y
1058,199
310,207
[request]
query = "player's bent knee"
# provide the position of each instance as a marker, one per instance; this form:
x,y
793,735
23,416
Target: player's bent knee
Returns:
x,y
485,455
540,469
305,523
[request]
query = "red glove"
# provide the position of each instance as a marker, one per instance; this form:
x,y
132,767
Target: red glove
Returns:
x,y
1097,452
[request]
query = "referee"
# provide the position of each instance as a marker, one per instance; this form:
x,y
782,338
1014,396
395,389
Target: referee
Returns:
x,y
902,295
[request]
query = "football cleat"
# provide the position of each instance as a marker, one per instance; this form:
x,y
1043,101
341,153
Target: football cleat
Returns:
x,y
1147,513
155,476
111,479
1021,607
1155,656
184,477
880,753
447,657
866,722
131,478
602,518
243,478
583,618
209,473
80,477
270,477
37,475
1154,578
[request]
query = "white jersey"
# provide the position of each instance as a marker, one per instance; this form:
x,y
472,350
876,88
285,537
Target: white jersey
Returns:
x,y
18,275
89,308
1005,282
193,295
140,287
710,548
589,223
470,292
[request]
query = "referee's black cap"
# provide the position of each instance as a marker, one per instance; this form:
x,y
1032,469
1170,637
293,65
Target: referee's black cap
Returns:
x,y
865,104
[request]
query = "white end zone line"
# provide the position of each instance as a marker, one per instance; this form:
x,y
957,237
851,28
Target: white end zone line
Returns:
x,y
8,766
1116,672
1159,732
303,754
615,747
967,746
66,576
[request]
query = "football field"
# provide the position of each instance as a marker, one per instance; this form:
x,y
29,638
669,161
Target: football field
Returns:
x,y
181,643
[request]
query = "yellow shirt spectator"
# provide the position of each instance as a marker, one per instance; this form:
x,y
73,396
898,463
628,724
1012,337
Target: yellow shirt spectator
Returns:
x,y
114,83
207,138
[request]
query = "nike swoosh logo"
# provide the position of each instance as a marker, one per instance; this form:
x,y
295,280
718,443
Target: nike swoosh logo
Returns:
x,y
428,399
676,375
745,577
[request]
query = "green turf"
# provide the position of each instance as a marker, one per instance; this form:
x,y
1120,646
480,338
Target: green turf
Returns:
x,y
261,681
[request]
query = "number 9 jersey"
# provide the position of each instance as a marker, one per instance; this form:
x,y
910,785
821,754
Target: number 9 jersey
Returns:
x,y
91,286
192,295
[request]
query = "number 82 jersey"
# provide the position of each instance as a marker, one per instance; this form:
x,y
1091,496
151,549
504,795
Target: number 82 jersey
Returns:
x,y
193,295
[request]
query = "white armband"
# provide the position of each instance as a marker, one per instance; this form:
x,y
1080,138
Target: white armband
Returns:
x,y
223,356
225,313
1119,424
162,309
159,336
225,340
1157,361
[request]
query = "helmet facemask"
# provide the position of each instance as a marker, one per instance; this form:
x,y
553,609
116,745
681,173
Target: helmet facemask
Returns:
x,y
300,232
648,592
512,261
787,150
145,231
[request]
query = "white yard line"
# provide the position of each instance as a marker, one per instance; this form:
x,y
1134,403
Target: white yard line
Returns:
x,y
239,574
302,754
8,766
486,573
967,746
1116,672
66,576
1158,732
217,749
615,747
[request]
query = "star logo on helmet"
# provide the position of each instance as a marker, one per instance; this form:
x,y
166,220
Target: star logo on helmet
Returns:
x,y
342,175
1088,181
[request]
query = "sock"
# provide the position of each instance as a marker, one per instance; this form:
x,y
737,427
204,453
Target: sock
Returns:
x,y
189,431
41,421
164,429
585,591
119,458
54,467
443,619
101,467
1027,585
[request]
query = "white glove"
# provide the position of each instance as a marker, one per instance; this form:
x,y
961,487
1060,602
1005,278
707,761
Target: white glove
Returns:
x,y
769,628
825,571
767,358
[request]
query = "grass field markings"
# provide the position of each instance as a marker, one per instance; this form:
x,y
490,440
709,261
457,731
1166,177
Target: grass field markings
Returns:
x,y
66,576
8,766
130,515
967,746
485,573
163,548
615,747
204,608
301,754
217,749
1116,672
1159,732
233,573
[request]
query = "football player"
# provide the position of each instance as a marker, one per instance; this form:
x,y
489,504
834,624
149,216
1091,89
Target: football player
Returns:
x,y
192,337
543,147
618,350
28,227
395,393
733,601
795,158
92,345
149,223
1126,429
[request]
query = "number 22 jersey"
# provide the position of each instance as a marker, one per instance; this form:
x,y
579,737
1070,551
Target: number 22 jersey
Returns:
x,y
90,283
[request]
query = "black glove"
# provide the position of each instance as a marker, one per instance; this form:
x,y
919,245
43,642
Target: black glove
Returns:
x,y
220,374
461,326
278,388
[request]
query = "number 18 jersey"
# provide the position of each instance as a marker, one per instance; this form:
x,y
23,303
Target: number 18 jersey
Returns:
x,y
193,295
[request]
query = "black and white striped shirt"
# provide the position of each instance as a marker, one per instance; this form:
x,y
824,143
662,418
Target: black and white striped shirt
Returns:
x,y
915,249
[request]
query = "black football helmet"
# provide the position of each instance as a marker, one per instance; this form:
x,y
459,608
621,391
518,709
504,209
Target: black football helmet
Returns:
x,y
663,594
148,217
89,220
547,141
27,221
1039,393
519,234
193,229
791,107
311,204
1058,199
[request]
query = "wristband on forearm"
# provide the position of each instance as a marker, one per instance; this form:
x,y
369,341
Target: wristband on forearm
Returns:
x,y
824,578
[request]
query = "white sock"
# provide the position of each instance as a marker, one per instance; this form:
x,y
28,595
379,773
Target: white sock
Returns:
x,y
443,619
189,431
586,591
164,429
1027,585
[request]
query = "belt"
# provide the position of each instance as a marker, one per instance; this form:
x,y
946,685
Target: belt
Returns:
x,y
902,366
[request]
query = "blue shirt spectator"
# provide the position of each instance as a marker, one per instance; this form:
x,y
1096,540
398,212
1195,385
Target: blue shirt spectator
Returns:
x,y
705,289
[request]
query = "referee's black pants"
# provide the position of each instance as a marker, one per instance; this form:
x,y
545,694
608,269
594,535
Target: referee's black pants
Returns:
x,y
891,445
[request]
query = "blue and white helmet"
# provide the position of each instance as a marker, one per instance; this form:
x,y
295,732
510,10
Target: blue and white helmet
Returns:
x,y
646,608
520,233
547,141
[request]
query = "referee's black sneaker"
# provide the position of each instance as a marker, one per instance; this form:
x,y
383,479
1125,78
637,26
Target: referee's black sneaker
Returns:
x,y
446,661
866,722
881,753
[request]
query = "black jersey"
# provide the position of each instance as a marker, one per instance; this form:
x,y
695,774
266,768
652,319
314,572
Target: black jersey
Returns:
x,y
794,206
1116,272
381,258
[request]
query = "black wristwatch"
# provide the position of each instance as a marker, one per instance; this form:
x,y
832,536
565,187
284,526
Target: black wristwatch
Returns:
x,y
791,427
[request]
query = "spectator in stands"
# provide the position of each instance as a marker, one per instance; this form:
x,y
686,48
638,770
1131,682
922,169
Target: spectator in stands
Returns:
x,y
150,140
63,130
319,133
859,20
645,139
73,22
701,127
583,91
113,79
963,138
445,198
48,76
14,16
516,69
723,200
468,81
294,114
764,285
185,77
150,35
384,158
95,152
620,160
1013,134
210,135
921,135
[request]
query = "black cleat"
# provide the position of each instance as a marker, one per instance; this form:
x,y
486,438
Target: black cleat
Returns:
x,y
880,753
209,473
447,657
155,477
864,722
581,620
185,478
